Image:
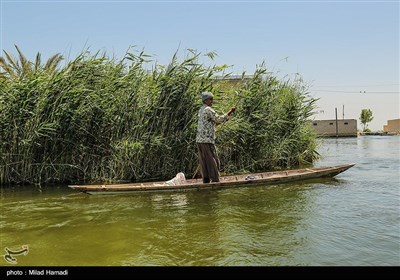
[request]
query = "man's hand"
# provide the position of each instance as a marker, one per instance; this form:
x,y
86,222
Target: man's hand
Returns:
x,y
233,109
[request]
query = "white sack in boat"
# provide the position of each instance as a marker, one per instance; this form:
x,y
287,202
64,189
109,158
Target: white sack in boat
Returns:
x,y
179,179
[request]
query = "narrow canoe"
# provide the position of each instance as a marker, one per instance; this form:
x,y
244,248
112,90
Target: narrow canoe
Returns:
x,y
265,178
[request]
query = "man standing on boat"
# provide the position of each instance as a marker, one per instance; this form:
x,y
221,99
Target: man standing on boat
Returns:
x,y
205,138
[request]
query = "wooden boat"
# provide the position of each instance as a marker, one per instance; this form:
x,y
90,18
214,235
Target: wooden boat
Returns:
x,y
265,178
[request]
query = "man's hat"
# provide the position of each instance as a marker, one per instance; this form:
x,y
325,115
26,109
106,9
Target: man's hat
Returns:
x,y
206,95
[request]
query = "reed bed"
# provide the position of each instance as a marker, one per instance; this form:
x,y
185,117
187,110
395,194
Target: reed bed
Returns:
x,y
99,119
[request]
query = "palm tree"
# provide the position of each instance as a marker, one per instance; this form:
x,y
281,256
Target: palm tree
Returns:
x,y
19,68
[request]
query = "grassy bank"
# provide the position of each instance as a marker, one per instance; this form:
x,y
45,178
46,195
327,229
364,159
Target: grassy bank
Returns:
x,y
101,119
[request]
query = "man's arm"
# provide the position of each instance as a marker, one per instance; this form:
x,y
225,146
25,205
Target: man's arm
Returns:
x,y
220,119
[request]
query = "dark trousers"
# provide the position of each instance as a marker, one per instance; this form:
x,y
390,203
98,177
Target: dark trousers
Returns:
x,y
209,162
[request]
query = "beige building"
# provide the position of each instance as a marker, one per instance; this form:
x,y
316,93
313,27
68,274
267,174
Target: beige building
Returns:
x,y
327,128
392,126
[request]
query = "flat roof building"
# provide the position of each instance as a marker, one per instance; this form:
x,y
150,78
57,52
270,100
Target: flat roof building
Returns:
x,y
392,126
328,128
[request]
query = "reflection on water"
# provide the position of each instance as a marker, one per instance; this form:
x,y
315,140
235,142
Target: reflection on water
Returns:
x,y
350,220
190,228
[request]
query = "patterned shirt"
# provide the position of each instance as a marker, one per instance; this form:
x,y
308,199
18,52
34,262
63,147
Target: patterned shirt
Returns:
x,y
208,118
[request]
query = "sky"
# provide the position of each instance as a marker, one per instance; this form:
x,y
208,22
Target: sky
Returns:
x,y
346,51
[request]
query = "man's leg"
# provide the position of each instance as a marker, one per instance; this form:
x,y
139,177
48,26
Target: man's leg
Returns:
x,y
213,171
202,149
209,162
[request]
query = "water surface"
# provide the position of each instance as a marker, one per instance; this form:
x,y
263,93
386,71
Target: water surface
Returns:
x,y
350,220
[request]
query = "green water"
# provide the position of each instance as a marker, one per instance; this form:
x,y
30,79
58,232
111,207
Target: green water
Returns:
x,y
351,220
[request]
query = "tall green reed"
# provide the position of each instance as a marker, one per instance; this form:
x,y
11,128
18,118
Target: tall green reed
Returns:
x,y
101,120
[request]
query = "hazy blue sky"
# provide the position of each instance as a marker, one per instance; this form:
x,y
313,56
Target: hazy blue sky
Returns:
x,y
339,47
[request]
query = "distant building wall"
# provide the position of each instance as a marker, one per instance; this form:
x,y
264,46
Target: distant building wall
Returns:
x,y
393,126
234,80
327,128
